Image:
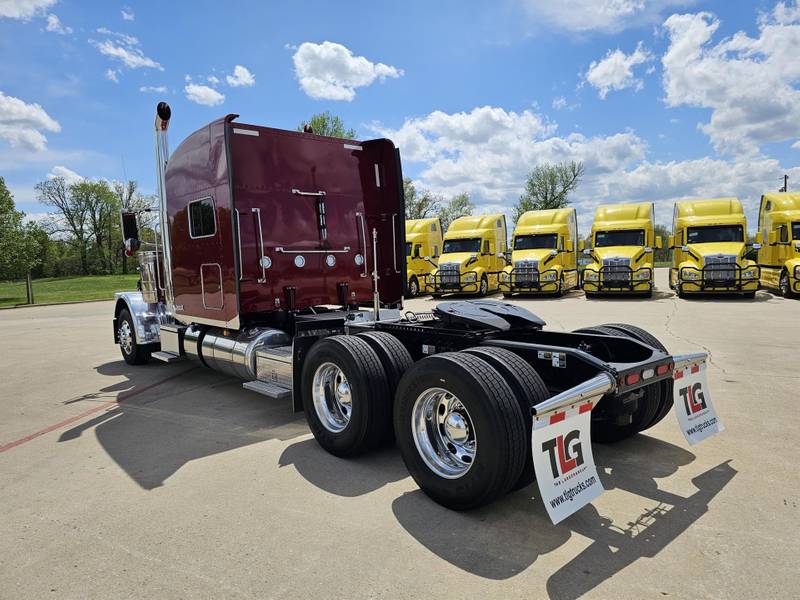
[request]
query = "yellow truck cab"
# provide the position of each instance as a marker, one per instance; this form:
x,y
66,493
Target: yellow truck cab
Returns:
x,y
623,238
423,246
544,254
779,257
709,246
473,255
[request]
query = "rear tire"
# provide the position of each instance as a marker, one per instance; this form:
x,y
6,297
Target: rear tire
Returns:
x,y
528,388
346,395
133,352
394,357
452,398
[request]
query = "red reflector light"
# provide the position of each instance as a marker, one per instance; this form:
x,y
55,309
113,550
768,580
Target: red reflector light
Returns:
x,y
661,369
632,378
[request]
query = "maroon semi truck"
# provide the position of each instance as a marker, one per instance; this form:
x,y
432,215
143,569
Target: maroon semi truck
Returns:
x,y
279,259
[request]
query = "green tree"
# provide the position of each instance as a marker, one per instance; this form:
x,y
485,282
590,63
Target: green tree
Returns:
x,y
102,209
419,204
548,186
458,206
19,246
327,124
71,217
662,255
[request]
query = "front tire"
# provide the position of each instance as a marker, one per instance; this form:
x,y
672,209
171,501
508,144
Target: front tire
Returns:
x,y
133,352
484,286
346,396
460,430
413,287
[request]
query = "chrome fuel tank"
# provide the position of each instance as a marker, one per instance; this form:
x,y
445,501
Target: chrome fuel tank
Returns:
x,y
235,353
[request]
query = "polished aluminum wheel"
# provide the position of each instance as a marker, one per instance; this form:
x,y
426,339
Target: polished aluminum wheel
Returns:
x,y
125,336
332,397
784,285
484,287
443,433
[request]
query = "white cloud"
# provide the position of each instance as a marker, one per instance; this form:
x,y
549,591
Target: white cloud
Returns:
x,y
68,175
24,9
330,71
488,152
21,124
615,71
748,83
599,15
55,25
153,89
212,80
127,14
241,77
112,75
559,103
125,49
202,94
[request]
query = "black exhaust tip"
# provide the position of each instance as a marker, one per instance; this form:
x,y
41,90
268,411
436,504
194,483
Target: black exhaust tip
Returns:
x,y
163,111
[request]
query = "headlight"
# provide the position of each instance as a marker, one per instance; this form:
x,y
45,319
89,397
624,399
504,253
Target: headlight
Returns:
x,y
750,273
590,275
690,275
504,276
797,272
642,274
470,277
551,276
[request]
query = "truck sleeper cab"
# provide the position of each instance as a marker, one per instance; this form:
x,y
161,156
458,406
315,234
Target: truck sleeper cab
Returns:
x,y
436,382
423,247
779,257
709,247
544,251
473,255
623,238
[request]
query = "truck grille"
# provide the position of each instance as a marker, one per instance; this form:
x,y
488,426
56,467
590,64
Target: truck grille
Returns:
x,y
449,274
720,268
616,269
526,271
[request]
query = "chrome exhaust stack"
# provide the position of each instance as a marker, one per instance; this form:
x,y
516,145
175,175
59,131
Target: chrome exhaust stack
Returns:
x,y
163,114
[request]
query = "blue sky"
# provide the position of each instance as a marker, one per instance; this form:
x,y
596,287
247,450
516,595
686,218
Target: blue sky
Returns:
x,y
661,99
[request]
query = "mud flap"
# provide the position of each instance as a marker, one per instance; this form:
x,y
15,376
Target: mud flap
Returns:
x,y
692,399
563,460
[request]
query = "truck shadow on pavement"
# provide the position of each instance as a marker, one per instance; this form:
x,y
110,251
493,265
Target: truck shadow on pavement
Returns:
x,y
503,539
151,435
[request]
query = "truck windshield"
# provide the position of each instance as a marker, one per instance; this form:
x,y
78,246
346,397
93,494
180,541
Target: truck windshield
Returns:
x,y
467,245
536,242
714,233
624,237
796,230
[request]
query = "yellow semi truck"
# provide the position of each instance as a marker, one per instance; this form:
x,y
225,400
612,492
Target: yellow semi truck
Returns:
x,y
623,238
423,247
544,254
709,247
779,257
473,255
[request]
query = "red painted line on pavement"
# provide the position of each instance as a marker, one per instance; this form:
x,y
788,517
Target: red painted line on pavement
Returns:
x,y
120,398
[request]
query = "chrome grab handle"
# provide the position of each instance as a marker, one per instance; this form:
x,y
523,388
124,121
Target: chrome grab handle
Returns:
x,y
364,238
239,237
300,193
261,243
313,251
394,241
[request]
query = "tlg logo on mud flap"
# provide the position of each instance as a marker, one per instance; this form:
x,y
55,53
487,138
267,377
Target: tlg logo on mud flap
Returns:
x,y
565,452
693,399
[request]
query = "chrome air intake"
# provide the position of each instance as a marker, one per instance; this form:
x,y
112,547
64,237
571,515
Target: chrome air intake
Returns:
x,y
233,354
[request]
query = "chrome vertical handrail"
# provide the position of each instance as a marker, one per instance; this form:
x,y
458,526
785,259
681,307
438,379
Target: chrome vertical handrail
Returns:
x,y
394,242
261,243
364,237
239,238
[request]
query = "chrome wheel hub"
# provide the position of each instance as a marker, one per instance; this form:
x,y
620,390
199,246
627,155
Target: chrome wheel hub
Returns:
x,y
332,397
125,336
443,433
784,284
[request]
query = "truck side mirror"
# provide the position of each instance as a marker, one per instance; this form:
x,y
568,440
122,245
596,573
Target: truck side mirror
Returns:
x,y
659,242
560,244
772,238
581,245
671,242
130,226
759,238
587,251
567,245
427,258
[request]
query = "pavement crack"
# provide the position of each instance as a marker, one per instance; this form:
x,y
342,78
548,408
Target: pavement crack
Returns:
x,y
668,325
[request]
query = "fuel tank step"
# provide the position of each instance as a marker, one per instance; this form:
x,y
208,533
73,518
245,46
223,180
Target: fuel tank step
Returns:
x,y
165,356
271,390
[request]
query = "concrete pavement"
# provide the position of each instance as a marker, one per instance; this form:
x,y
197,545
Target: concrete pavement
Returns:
x,y
190,486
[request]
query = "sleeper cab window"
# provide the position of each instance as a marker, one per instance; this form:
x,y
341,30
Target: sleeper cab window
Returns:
x,y
202,218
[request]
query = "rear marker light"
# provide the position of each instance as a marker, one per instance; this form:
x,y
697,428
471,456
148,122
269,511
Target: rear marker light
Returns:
x,y
662,369
632,378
